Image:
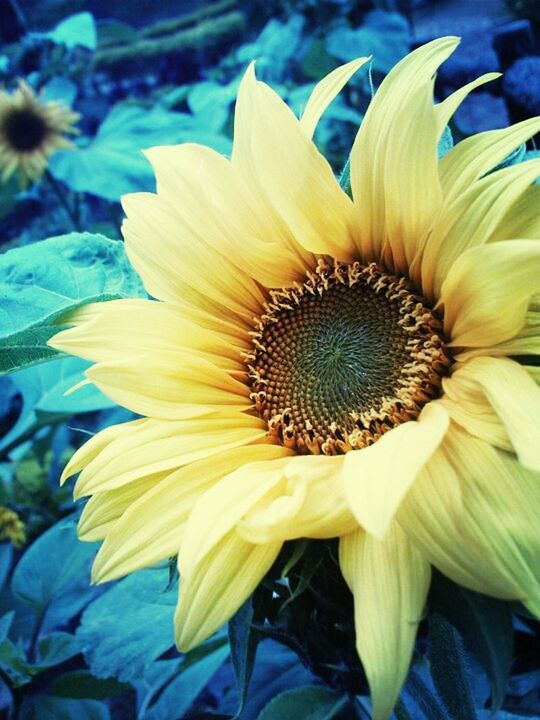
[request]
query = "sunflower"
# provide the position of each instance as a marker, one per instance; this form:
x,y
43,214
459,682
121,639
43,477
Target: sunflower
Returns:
x,y
31,130
316,366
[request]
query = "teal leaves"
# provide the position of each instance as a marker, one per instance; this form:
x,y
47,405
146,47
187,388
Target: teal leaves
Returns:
x,y
385,35
309,703
124,644
112,163
41,282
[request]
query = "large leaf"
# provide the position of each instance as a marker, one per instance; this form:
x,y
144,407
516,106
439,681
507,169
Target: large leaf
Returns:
x,y
385,35
449,669
276,669
129,626
40,282
180,694
53,575
309,703
485,625
112,163
46,707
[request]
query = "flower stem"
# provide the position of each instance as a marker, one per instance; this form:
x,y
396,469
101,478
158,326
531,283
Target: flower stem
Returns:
x,y
58,191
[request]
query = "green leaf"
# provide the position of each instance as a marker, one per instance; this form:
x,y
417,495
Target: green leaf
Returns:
x,y
309,703
41,282
243,641
47,707
53,575
81,684
56,648
485,625
449,669
129,626
112,163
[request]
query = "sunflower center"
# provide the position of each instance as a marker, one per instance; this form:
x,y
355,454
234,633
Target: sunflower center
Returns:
x,y
343,358
24,130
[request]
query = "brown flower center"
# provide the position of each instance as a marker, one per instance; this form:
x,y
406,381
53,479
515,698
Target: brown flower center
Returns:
x,y
343,358
24,130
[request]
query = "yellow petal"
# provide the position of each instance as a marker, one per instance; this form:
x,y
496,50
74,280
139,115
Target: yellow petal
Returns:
x,y
445,109
96,445
169,386
309,502
222,507
471,219
119,329
525,342
501,506
171,254
295,178
218,585
152,527
325,91
394,173
204,187
159,445
484,303
477,155
522,219
512,394
377,478
102,510
389,579
432,515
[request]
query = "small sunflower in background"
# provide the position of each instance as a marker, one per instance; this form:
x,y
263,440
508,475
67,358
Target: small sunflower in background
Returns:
x,y
317,365
31,130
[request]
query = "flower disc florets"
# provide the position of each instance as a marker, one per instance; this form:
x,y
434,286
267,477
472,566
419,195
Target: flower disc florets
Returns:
x,y
344,357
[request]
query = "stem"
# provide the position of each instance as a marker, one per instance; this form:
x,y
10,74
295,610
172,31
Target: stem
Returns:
x,y
29,434
58,191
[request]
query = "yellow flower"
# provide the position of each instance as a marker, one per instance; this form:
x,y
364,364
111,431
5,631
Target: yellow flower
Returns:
x,y
12,527
320,367
31,130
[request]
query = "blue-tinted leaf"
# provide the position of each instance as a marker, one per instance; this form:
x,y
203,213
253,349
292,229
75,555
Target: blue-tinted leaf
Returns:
x,y
276,669
81,684
78,29
47,707
485,625
53,575
446,142
243,641
42,388
273,50
385,35
56,648
309,703
179,695
449,669
112,164
6,556
129,626
40,282
61,89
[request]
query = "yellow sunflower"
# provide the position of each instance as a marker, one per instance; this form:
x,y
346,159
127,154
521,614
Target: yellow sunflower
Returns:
x,y
31,130
316,366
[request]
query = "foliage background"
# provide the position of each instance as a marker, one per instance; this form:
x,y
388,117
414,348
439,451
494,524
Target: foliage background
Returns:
x,y
144,74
